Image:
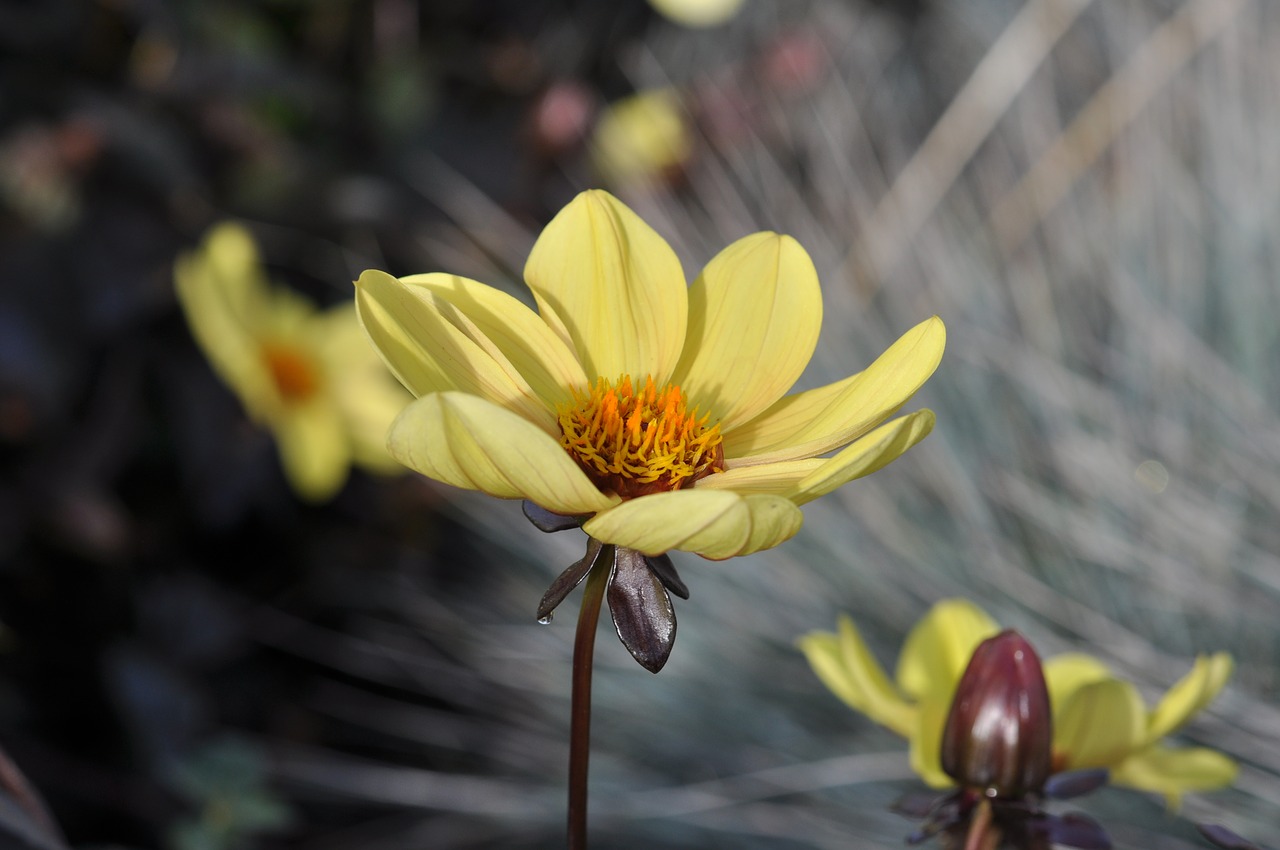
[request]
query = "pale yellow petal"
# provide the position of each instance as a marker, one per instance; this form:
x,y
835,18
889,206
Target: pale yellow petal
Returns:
x,y
1189,695
716,524
937,650
813,422
220,289
1067,673
314,450
431,346
1100,725
523,338
845,664
868,454
780,478
926,742
1174,772
611,287
472,443
698,13
754,316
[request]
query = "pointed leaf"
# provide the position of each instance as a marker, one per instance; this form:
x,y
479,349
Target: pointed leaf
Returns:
x,y
550,521
569,579
642,611
666,573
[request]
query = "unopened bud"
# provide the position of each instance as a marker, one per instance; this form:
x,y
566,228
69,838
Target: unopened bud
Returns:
x,y
999,734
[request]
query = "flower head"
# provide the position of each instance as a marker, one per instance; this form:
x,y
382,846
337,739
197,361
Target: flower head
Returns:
x,y
1098,721
650,412
654,409
309,376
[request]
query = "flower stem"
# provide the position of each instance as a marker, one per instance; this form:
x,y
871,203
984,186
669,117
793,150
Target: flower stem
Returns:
x,y
584,643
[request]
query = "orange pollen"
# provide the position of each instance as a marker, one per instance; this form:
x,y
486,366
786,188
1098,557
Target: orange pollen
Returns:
x,y
635,443
295,374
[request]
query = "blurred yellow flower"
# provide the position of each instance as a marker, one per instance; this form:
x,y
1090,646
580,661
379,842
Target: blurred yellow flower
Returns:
x,y
309,376
653,409
1098,720
697,13
642,137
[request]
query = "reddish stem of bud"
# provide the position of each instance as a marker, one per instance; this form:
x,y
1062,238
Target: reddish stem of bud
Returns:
x,y
999,733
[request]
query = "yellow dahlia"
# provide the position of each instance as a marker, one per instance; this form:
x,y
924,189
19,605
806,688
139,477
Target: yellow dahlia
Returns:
x,y
1099,721
307,375
654,408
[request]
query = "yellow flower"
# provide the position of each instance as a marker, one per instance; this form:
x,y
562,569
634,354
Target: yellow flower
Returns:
x,y
653,409
642,137
309,376
697,13
1098,720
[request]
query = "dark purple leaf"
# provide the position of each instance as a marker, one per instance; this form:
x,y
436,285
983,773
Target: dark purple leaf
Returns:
x,y
549,521
666,573
569,579
1225,838
1077,830
641,608
1076,783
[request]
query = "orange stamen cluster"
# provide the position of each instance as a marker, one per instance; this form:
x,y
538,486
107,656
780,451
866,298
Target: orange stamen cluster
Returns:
x,y
636,443
294,374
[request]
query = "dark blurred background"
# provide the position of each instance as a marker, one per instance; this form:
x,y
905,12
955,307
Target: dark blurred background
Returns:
x,y
192,658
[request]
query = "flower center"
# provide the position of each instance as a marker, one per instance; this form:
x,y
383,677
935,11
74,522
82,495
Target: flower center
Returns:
x,y
294,374
639,442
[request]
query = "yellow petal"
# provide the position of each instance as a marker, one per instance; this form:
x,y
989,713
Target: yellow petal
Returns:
x,y
1190,695
1174,772
812,422
611,287
937,650
537,352
754,315
780,478
697,13
431,346
846,666
314,450
716,524
868,454
926,742
1100,725
472,443
221,290
1067,673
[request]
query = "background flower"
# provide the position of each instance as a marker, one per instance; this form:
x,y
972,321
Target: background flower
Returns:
x,y
1098,720
307,375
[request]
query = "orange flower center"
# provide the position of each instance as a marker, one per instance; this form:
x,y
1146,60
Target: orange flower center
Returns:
x,y
634,443
294,373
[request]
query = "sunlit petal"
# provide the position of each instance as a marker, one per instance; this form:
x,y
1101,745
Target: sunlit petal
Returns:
x,y
754,315
1189,695
611,287
714,523
509,327
938,648
846,666
812,422
472,443
868,454
314,450
1067,673
1174,772
1100,725
431,346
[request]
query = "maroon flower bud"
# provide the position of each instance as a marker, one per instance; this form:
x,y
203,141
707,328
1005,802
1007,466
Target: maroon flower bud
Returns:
x,y
999,734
